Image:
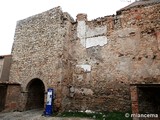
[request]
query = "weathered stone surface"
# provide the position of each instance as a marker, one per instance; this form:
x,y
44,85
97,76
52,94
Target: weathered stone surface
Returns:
x,y
40,50
90,64
130,56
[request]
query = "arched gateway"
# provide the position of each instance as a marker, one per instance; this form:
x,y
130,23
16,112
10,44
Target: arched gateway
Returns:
x,y
35,97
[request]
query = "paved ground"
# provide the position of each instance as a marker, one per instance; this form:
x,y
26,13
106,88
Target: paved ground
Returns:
x,y
32,115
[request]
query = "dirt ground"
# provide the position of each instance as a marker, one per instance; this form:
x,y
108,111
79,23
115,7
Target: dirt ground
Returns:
x,y
32,115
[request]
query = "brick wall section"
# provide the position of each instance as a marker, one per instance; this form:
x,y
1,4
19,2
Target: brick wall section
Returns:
x,y
134,99
129,55
12,97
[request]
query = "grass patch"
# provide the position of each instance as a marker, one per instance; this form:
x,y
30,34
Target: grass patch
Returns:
x,y
117,116
97,115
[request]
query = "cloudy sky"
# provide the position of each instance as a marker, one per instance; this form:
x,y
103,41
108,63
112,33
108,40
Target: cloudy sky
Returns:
x,y
14,10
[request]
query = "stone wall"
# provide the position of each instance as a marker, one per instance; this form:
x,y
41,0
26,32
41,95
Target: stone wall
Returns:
x,y
109,54
40,51
90,64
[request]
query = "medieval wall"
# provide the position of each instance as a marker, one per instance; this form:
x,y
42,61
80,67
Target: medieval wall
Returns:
x,y
90,64
111,52
40,51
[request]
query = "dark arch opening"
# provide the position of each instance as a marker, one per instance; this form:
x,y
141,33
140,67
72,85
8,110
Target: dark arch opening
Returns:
x,y
35,98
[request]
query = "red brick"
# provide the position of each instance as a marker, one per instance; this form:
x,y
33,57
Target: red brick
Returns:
x,y
135,108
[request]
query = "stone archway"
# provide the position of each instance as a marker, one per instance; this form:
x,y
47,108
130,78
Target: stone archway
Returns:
x,y
35,97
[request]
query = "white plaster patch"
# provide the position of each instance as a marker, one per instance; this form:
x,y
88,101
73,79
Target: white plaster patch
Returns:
x,y
81,29
87,34
96,31
95,41
85,67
